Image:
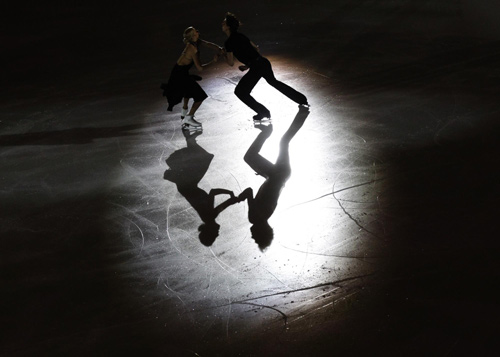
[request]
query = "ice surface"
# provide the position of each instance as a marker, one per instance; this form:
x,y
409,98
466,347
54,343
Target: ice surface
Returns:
x,y
383,234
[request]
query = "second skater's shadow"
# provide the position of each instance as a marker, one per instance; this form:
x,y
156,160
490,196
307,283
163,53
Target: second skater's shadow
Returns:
x,y
264,203
187,166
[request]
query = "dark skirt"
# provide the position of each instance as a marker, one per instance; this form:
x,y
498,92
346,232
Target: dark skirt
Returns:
x,y
182,85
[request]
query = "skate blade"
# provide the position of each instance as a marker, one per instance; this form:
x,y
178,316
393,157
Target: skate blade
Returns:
x,y
263,119
262,123
190,128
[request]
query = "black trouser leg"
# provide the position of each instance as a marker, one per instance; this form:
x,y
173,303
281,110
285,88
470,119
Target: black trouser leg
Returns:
x,y
244,88
267,73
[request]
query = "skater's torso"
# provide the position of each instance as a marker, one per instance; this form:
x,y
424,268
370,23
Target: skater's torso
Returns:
x,y
266,199
187,56
242,48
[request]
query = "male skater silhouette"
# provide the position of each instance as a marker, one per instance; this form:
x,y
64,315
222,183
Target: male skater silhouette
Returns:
x,y
262,206
239,46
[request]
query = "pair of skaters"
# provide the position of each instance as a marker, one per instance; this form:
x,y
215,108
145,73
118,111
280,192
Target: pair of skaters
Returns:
x,y
188,165
182,86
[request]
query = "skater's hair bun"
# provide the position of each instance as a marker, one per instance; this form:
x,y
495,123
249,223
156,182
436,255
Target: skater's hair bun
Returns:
x,y
188,34
232,21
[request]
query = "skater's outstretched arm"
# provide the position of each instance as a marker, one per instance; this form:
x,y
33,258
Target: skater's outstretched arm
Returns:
x,y
247,194
230,201
198,64
191,52
218,49
220,191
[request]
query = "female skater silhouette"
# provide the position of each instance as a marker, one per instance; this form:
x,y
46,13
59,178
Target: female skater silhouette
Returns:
x,y
181,85
187,167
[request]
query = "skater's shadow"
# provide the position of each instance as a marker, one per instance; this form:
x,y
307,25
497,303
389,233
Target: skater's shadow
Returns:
x,y
262,206
187,166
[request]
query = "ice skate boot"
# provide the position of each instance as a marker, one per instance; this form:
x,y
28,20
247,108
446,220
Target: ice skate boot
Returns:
x,y
262,116
190,122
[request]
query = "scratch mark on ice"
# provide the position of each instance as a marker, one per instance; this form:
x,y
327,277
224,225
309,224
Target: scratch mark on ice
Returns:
x,y
220,262
334,192
275,277
140,230
285,318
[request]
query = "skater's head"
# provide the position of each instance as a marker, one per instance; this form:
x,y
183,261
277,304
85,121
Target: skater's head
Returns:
x,y
230,22
208,233
262,234
190,35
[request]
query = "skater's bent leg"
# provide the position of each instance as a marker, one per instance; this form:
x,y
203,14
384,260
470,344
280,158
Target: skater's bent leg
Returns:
x,y
185,106
243,90
257,162
195,107
199,96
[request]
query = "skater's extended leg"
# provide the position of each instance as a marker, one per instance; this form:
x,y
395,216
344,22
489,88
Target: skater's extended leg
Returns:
x,y
291,93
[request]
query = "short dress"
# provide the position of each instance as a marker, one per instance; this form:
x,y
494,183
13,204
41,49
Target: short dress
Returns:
x,y
182,85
